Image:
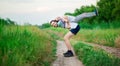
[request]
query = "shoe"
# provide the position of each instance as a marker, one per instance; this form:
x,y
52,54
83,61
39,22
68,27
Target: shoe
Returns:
x,y
68,54
96,11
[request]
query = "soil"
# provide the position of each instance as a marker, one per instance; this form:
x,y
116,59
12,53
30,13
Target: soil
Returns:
x,y
111,50
65,61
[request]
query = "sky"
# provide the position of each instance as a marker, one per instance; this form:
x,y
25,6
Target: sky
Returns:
x,y
37,12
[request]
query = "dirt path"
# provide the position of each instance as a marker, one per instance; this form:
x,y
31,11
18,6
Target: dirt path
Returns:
x,y
111,50
65,61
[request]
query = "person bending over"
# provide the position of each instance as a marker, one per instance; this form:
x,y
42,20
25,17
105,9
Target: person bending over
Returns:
x,y
70,23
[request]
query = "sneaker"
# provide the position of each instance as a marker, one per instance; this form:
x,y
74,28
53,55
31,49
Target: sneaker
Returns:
x,y
68,54
96,11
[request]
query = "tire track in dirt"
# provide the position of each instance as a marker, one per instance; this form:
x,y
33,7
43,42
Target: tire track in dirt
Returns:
x,y
111,50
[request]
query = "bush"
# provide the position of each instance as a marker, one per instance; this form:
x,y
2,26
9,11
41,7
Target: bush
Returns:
x,y
45,25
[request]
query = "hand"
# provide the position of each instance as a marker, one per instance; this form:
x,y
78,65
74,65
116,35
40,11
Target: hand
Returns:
x,y
57,18
68,27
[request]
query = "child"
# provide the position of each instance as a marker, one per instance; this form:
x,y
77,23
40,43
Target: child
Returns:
x,y
70,22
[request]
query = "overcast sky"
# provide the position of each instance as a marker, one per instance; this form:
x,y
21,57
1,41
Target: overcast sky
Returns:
x,y
38,11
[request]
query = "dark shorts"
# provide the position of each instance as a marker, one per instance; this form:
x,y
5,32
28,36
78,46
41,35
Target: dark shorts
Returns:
x,y
76,30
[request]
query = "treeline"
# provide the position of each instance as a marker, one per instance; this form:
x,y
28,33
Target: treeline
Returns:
x,y
7,21
109,11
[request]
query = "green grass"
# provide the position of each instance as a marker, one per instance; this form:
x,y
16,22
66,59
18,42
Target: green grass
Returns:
x,y
93,56
100,36
101,33
26,46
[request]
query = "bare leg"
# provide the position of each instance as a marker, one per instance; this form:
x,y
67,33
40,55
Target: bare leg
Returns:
x,y
67,40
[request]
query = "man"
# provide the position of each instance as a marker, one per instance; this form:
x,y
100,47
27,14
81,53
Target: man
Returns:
x,y
70,22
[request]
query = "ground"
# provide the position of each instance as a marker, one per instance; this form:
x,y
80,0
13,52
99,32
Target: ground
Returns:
x,y
65,61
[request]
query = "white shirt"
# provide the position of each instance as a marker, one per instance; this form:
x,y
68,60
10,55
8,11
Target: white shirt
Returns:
x,y
72,25
71,19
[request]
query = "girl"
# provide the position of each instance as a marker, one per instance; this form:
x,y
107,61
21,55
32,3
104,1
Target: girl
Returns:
x,y
70,23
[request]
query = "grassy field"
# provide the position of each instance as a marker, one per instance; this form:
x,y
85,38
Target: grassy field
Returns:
x,y
108,37
31,46
26,46
94,56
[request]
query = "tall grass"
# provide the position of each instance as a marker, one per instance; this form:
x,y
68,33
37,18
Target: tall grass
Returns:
x,y
25,46
93,56
99,36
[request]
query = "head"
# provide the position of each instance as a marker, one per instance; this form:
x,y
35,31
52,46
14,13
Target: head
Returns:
x,y
54,23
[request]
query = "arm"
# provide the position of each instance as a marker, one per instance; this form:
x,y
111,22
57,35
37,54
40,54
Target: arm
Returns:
x,y
57,18
65,19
